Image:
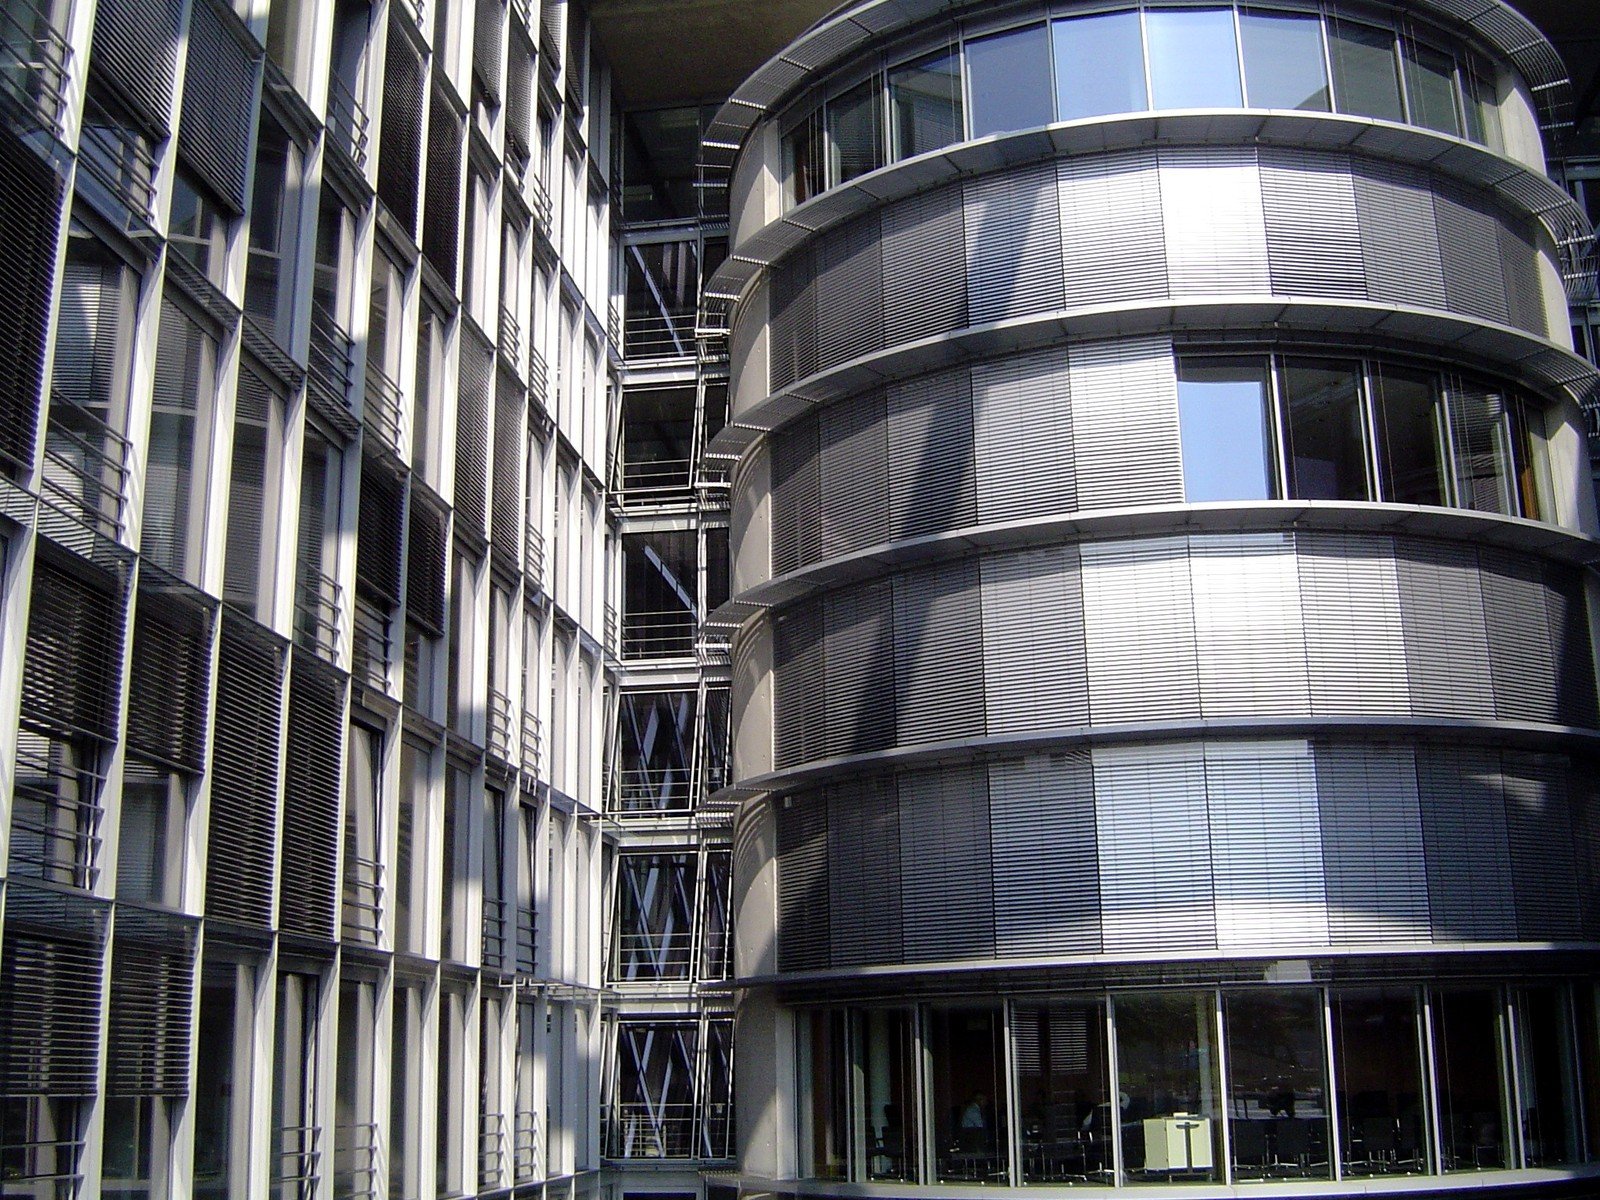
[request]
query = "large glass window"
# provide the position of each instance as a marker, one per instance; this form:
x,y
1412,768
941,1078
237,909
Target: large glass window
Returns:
x,y
1485,473
1366,71
1378,1080
855,131
1283,62
802,160
1099,65
1277,1097
1009,77
887,1069
1468,1047
825,1088
1431,88
925,104
1063,1098
1225,423
1412,441
1325,430
222,1082
1194,59
1547,1077
1167,1069
966,1067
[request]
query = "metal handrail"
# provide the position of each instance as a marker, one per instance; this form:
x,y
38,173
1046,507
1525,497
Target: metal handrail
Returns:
x,y
539,201
374,643
364,892
491,1149
644,956
510,333
527,939
532,739
533,553
78,827
494,932
525,1132
33,67
319,604
499,714
305,1158
362,1141
94,457
658,634
118,157
653,789
331,355
348,119
650,1130
384,413
657,479
614,321
657,334
30,1151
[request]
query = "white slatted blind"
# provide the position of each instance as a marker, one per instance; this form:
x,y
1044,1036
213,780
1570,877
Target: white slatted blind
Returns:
x,y
1112,238
946,889
1215,230
1139,629
932,484
1544,873
924,266
1469,246
1266,844
1013,232
1251,647
1033,640
853,475
849,287
1447,644
864,858
1022,435
859,704
1313,237
1355,643
1520,658
1464,836
1125,424
1399,234
1372,855
938,654
1046,869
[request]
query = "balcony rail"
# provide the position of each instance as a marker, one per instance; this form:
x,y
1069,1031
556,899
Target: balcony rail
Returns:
x,y
657,480
419,13
33,65
495,940
347,121
510,334
55,820
355,1161
384,411
85,468
331,356
297,1167
533,554
538,377
667,634
318,604
647,1130
43,1161
492,1139
362,915
653,789
499,713
118,158
614,321
532,740
527,931
649,956
539,201
527,1150
657,334
374,645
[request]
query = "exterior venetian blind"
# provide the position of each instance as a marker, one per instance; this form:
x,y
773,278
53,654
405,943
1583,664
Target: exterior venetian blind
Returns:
x,y
948,893
932,474
864,853
924,267
1399,234
1524,291
1139,627
1215,229
803,937
1373,864
379,530
1464,834
1571,647
219,102
257,403
184,394
1045,858
798,696
400,139
1125,424
849,292
1033,641
472,434
1113,237
1013,232
486,26
859,700
152,1001
1355,639
507,506
1022,436
1313,234
1515,618
796,484
244,788
170,677
426,562
51,966
135,50
853,475
72,667
30,193
938,654
1447,644
792,325
1539,831
308,884
442,206
1469,246
1251,647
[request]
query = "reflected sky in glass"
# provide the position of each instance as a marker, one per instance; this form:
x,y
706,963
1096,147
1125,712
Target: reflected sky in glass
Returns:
x,y
1227,442
1194,61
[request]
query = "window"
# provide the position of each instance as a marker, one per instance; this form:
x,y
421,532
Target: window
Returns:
x,y
655,907
295,1148
410,858
925,104
802,160
1546,1083
1366,70
355,1143
1325,430
269,287
1099,65
1431,88
428,395
317,613
1469,1048
1063,1073
969,1094
1009,80
1412,440
855,132
1194,61
197,229
223,1067
249,568
1224,414
449,1161
151,834
405,1091
1278,1111
456,869
1167,1067
1283,61
177,471
363,868
1378,1078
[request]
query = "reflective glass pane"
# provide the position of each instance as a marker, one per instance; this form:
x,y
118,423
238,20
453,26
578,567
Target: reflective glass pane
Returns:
x,y
1411,436
1277,1085
1099,66
1467,1056
1168,1088
1481,106
1431,87
1226,429
855,131
1063,1092
1283,63
1527,451
1009,74
1366,75
824,1096
1547,1077
1194,61
1324,430
1484,471
1378,1080
888,1080
802,161
969,1095
925,104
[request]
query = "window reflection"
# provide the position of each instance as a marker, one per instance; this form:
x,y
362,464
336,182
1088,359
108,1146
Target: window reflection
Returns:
x,y
1378,1080
825,1117
925,104
887,1067
1009,77
1194,61
1431,87
1546,1082
1062,1092
1167,1070
1277,1102
1283,62
855,136
1226,428
1324,430
1099,65
1366,73
1467,1028
1411,435
969,1095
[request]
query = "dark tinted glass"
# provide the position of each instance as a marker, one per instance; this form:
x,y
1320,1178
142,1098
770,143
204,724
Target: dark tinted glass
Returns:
x,y
1411,437
1431,86
1366,76
1326,443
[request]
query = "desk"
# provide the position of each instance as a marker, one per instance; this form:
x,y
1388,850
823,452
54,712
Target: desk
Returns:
x,y
1181,1142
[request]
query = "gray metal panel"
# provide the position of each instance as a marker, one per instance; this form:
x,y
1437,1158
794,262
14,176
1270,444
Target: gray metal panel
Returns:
x,y
854,475
1139,628
796,485
947,894
1313,235
1524,291
1013,233
938,654
1154,844
1571,646
1216,236
1355,640
1375,875
1469,245
1266,844
1520,660
798,697
1399,234
1248,636
1447,643
859,713
1544,871
1046,866
792,323
1033,640
803,884
1022,434
932,476
1112,239
1125,424
864,857
849,292
1464,833
924,266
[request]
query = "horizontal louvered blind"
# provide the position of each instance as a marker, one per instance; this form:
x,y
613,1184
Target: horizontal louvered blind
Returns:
x,y
218,101
1469,247
400,137
1013,232
1571,646
1125,424
487,24
1355,640
948,889
938,654
1447,644
1464,837
442,204
792,324
152,999
244,789
1251,647
1139,626
1399,234
1539,833
797,537
1033,640
72,666
1374,872
308,882
508,442
859,698
1113,240
1515,619
51,964
1524,292
1215,229
135,50
798,696
1045,859
803,938
924,266
864,857
1022,437
852,476
472,434
1313,235
30,194
256,418
849,291
379,531
426,562
932,475
170,678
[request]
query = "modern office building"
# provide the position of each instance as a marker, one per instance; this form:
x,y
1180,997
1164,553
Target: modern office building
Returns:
x,y
1164,691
